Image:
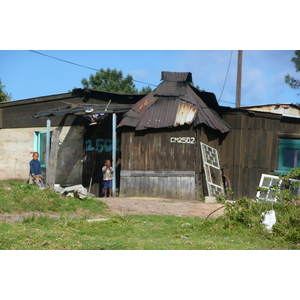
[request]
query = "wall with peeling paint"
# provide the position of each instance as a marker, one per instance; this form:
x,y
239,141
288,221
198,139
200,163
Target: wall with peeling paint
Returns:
x,y
17,145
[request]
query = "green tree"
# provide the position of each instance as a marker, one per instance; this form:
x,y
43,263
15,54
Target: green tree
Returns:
x,y
4,96
114,82
291,81
197,87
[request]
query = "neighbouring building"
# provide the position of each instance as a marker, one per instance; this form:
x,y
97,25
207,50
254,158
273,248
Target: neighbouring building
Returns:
x,y
82,148
288,109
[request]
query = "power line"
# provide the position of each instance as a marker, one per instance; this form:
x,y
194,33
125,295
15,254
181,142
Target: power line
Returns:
x,y
226,76
69,62
79,65
229,102
226,101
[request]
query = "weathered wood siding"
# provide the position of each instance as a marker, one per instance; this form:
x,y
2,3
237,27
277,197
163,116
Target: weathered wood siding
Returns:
x,y
251,148
159,163
177,185
247,151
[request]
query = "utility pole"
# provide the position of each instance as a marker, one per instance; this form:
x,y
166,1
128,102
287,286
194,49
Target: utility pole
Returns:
x,y
239,79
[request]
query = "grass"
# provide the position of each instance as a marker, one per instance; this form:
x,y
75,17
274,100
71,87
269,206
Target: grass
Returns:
x,y
18,197
147,232
141,232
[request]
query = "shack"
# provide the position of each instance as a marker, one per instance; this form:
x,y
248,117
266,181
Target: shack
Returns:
x,y
163,132
82,145
161,155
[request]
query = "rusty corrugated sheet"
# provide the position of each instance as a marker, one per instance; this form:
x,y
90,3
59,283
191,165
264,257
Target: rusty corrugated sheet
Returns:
x,y
170,89
142,105
161,114
206,115
172,104
80,110
176,76
186,114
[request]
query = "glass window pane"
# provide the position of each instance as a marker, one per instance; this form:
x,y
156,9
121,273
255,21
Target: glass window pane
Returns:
x,y
43,148
290,158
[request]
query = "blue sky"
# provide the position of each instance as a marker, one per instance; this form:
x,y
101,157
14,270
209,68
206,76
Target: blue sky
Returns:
x,y
26,74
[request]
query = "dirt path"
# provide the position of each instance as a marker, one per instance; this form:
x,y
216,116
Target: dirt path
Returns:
x,y
160,206
137,205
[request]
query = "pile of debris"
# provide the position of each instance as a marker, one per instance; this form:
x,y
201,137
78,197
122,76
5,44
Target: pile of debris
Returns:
x,y
77,191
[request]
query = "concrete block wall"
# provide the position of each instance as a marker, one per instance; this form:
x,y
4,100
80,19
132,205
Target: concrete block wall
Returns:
x,y
70,155
17,146
16,151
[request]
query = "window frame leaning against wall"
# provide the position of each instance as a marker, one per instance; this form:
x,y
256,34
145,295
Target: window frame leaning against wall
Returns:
x,y
287,146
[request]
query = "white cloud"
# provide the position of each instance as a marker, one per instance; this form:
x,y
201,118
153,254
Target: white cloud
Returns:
x,y
140,74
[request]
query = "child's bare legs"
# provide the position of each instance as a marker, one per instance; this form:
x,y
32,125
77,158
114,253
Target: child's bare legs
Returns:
x,y
108,192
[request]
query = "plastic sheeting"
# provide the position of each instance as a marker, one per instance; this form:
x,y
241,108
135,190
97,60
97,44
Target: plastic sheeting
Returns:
x,y
269,219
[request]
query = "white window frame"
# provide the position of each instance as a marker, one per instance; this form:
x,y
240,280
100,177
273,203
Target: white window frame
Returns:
x,y
214,190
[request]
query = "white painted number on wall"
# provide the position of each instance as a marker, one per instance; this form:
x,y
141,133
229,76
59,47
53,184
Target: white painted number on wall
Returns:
x,y
183,140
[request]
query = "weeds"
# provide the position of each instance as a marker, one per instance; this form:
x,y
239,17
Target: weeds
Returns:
x,y
239,228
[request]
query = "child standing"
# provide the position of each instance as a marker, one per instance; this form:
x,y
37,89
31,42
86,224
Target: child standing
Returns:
x,y
35,173
107,171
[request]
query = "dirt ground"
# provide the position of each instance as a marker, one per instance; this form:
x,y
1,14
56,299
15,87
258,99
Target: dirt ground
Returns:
x,y
161,206
138,205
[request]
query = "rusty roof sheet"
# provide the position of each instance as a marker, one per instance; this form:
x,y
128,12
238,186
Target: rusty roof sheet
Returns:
x,y
170,89
167,112
186,113
176,76
173,104
80,110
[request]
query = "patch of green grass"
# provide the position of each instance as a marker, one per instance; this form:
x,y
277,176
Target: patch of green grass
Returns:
x,y
19,197
140,232
70,229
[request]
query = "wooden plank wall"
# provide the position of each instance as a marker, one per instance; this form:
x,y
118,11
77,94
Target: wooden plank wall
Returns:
x,y
159,163
247,151
160,150
176,185
251,149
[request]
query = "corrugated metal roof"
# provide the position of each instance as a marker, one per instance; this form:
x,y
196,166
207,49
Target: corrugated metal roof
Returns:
x,y
186,114
158,115
167,112
80,110
176,76
170,89
173,104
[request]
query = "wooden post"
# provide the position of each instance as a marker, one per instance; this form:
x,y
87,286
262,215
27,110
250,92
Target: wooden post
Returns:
x,y
47,147
114,152
53,159
239,79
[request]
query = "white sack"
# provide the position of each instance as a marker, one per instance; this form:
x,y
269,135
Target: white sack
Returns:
x,y
269,219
